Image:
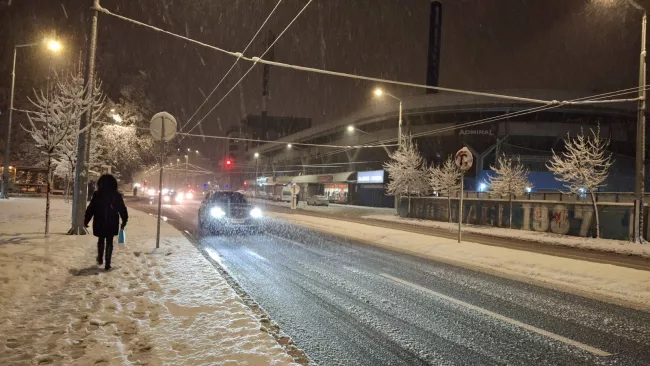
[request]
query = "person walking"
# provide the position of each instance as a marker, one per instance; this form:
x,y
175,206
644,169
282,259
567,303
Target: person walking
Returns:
x,y
105,209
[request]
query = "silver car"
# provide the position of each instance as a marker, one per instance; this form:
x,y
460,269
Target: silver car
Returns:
x,y
318,201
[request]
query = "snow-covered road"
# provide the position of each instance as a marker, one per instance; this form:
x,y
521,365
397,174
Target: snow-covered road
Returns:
x,y
352,304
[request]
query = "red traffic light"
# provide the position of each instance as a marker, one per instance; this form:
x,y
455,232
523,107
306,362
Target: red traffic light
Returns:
x,y
228,163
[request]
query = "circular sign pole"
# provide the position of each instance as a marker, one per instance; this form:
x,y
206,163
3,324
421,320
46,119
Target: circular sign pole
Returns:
x,y
295,189
464,160
162,128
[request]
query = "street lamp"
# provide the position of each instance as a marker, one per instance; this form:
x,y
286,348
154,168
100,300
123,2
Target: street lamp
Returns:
x,y
257,160
639,175
379,92
53,46
639,187
289,146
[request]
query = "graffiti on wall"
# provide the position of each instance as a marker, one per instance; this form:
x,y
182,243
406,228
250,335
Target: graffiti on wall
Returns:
x,y
576,219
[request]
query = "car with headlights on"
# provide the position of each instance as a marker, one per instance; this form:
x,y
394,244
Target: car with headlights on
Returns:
x,y
169,197
227,211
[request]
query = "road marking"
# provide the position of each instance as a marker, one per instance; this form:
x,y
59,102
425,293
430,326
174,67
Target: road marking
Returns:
x,y
557,337
255,255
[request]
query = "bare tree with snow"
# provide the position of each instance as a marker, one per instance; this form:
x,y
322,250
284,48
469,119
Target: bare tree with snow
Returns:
x,y
55,120
445,179
583,166
509,178
406,171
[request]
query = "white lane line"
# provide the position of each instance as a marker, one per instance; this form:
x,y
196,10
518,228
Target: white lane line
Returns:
x,y
255,255
557,337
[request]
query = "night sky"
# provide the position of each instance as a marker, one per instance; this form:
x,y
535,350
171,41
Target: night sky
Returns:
x,y
583,45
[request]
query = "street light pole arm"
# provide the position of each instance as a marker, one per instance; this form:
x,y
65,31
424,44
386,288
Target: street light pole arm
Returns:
x,y
635,4
392,96
27,45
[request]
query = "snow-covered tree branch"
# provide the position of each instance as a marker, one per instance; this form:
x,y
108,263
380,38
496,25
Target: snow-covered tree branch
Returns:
x,y
445,179
406,171
583,166
54,123
509,178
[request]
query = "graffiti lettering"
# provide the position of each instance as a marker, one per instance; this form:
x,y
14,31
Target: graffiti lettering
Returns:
x,y
540,218
585,213
560,220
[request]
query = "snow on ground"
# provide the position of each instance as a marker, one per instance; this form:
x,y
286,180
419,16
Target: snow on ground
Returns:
x,y
162,307
618,284
605,245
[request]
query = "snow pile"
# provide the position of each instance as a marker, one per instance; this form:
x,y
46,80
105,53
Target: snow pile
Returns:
x,y
603,281
160,307
603,245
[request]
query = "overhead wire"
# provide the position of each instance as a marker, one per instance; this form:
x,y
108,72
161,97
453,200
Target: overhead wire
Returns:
x,y
253,65
233,65
359,77
506,116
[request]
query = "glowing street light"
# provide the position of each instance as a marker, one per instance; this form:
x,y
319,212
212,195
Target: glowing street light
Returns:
x,y
289,146
379,92
53,46
350,128
257,155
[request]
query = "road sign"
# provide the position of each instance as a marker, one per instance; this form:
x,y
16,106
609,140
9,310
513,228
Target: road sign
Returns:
x,y
464,159
161,124
295,189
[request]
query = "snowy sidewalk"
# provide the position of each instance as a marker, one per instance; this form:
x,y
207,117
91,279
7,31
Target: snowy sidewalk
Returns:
x,y
603,245
603,281
170,307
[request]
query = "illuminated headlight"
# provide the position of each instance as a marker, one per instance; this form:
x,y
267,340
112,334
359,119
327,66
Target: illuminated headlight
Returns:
x,y
217,212
165,191
166,198
179,197
256,213
151,191
189,195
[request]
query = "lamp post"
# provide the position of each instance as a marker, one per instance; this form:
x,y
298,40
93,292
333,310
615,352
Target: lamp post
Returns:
x,y
257,160
53,46
187,160
639,186
379,92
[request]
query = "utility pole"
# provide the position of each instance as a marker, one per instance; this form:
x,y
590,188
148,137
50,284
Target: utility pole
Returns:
x,y
639,186
80,176
5,170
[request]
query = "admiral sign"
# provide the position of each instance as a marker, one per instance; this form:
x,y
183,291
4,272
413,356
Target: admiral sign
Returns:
x,y
476,132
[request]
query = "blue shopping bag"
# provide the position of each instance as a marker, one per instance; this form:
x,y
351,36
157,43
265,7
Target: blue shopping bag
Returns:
x,y
121,237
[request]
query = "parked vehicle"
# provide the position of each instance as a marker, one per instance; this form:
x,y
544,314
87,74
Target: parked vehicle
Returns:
x,y
318,200
226,211
286,194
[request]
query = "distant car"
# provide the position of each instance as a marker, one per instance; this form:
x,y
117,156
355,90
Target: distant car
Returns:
x,y
227,211
169,197
318,200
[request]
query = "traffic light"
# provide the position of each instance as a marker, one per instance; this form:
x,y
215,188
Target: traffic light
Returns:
x,y
229,163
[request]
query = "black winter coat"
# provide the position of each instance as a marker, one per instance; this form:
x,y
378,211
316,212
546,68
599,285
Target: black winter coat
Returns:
x,y
106,208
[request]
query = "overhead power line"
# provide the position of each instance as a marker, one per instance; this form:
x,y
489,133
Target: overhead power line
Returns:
x,y
233,65
253,65
360,77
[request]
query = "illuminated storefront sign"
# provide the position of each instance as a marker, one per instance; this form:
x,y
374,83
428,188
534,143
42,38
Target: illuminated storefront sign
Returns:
x,y
376,176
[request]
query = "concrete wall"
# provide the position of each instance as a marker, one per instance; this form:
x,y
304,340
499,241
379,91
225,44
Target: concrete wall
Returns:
x,y
566,218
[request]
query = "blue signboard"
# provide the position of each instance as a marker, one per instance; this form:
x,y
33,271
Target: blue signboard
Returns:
x,y
375,176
